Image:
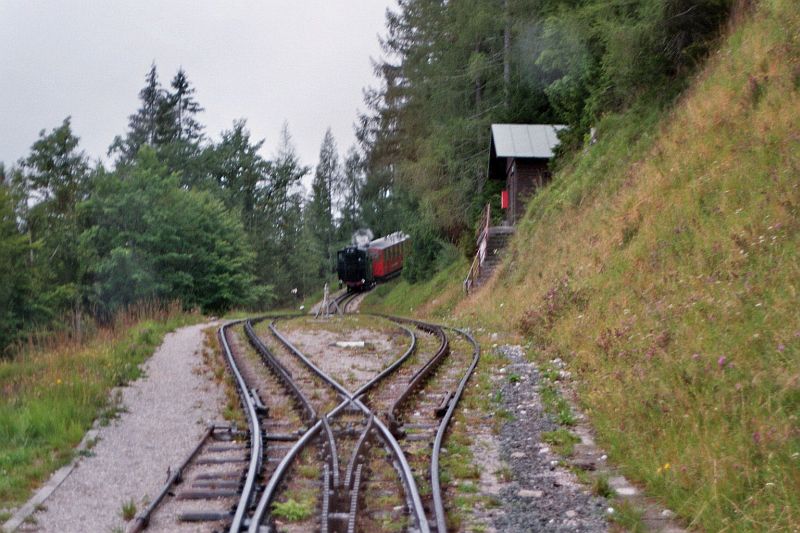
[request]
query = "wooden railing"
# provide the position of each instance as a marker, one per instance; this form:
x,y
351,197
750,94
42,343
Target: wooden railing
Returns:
x,y
482,242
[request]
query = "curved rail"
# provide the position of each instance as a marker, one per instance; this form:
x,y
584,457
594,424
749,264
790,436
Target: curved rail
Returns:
x,y
314,368
362,439
283,374
438,505
341,302
415,502
272,486
256,443
425,371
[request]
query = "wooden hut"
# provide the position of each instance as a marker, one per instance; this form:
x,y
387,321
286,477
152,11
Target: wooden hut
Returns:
x,y
519,155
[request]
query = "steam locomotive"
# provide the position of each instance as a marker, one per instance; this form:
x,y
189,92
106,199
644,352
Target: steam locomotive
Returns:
x,y
360,267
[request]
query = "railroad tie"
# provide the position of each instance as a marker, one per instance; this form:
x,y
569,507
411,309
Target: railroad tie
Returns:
x,y
206,494
203,516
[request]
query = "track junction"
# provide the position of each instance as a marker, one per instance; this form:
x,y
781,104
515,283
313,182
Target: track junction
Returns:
x,y
332,452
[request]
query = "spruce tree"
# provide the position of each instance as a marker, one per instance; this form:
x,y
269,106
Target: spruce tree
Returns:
x,y
144,125
326,179
239,171
184,109
16,279
350,189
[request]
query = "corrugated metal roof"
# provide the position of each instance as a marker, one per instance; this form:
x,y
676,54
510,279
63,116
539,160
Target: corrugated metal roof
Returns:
x,y
525,140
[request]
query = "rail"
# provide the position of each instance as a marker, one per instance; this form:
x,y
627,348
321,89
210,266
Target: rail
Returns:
x,y
422,374
412,492
482,243
438,504
283,374
143,519
256,442
352,477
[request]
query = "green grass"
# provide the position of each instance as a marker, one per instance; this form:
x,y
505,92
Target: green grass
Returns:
x,y
128,510
561,440
436,296
50,398
628,517
504,474
601,487
552,400
292,510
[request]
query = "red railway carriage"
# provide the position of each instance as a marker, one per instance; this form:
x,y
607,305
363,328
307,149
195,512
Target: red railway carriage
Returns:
x,y
387,253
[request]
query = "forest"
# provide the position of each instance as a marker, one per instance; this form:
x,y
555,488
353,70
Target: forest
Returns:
x,y
216,224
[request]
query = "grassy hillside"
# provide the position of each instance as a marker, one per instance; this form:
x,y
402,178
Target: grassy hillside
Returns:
x,y
662,264
436,297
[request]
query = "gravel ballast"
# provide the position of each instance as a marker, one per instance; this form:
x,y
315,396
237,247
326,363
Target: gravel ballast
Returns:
x,y
164,414
542,496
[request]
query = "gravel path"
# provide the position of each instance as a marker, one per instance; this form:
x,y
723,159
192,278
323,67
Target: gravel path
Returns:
x,y
165,413
541,496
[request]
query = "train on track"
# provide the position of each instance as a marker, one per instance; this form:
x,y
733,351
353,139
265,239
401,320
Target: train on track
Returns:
x,y
360,267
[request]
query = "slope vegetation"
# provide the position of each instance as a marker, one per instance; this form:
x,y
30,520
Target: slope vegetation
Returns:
x,y
662,265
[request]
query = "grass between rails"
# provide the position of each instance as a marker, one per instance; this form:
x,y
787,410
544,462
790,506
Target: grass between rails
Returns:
x,y
662,265
50,397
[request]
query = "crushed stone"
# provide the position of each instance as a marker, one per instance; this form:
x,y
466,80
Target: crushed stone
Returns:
x,y
542,495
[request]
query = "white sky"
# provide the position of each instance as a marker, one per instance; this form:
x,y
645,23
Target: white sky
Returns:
x,y
304,61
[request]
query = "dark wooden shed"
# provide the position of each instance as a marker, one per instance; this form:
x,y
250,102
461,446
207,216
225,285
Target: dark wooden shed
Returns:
x,y
519,155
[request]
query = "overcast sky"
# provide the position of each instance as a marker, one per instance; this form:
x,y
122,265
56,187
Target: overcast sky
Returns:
x,y
303,61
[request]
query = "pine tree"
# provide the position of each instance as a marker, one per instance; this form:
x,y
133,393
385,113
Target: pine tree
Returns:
x,y
184,108
286,171
16,279
326,179
277,221
144,125
350,188
151,239
240,172
51,182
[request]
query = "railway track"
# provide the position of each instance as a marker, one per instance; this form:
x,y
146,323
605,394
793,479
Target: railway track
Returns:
x,y
429,391
347,434
418,401
345,302
356,451
217,482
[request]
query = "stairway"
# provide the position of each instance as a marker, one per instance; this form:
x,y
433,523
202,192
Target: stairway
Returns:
x,y
498,240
